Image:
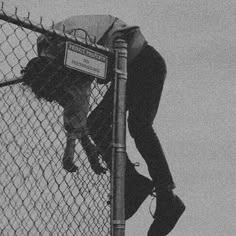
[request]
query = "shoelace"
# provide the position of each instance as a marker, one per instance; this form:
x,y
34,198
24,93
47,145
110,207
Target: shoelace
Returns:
x,y
154,196
136,164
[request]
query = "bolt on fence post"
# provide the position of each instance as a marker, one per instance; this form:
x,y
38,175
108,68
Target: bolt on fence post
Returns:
x,y
119,141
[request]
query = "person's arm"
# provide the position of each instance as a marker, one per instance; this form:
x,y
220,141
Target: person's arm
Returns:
x,y
132,34
75,122
89,148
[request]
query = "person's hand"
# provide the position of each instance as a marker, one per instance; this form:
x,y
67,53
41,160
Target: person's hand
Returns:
x,y
68,158
93,157
69,165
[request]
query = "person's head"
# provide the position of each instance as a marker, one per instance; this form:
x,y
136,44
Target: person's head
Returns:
x,y
47,76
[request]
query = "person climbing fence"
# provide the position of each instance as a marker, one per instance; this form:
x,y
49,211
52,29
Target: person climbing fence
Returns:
x,y
146,75
49,79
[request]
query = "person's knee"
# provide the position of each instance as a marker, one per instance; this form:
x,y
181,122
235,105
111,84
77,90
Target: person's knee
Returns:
x,y
132,129
138,129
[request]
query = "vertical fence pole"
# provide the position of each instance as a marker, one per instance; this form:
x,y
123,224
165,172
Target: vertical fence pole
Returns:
x,y
119,141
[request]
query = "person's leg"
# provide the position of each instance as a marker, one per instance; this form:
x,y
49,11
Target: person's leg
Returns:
x,y
137,187
99,124
145,84
76,108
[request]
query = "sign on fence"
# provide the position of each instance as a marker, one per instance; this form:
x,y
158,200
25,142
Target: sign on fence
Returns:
x,y
85,60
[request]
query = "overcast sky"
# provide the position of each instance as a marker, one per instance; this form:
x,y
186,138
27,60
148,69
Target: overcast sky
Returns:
x,y
196,120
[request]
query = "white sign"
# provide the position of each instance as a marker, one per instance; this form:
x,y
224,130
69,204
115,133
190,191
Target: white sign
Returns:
x,y
85,60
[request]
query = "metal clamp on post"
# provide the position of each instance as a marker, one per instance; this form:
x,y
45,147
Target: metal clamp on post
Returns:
x,y
119,72
119,223
118,145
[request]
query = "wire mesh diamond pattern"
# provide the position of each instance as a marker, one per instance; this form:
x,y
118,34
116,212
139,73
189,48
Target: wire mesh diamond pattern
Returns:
x,y
37,196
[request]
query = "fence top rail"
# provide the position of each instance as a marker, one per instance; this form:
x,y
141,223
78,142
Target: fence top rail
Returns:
x,y
27,23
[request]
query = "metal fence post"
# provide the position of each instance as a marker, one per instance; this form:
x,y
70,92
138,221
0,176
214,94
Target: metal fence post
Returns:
x,y
119,141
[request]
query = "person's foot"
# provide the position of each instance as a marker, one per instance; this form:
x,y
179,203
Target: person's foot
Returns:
x,y
168,211
137,189
69,165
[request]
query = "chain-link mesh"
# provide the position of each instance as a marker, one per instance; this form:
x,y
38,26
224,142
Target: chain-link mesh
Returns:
x,y
37,196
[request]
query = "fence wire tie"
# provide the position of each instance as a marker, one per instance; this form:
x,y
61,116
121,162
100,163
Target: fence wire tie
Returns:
x,y
16,9
41,20
53,25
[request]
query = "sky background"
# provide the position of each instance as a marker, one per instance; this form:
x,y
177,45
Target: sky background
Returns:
x,y
196,119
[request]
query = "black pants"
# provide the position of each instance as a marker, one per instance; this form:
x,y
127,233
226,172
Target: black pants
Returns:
x,y
146,77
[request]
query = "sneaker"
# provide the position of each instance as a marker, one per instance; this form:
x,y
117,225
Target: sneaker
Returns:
x,y
166,216
137,189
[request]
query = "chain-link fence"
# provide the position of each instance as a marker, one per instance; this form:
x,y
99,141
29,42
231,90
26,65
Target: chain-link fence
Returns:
x,y
37,195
